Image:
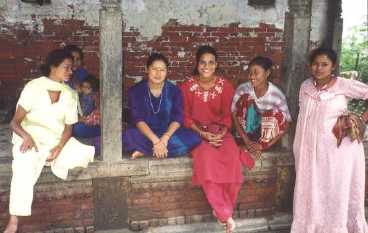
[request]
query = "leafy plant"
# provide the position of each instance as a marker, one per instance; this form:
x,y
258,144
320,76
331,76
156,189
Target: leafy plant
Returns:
x,y
354,57
354,54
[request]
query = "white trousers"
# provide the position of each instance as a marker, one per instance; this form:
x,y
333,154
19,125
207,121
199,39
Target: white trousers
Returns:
x,y
27,168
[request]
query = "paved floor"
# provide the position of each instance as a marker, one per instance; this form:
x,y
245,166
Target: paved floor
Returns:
x,y
256,225
279,223
153,231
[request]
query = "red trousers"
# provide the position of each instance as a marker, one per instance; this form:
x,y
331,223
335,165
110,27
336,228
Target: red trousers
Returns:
x,y
222,198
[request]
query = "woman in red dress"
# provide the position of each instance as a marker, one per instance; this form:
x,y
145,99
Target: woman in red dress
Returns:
x,y
217,161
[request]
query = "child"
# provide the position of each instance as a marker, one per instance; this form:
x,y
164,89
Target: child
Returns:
x,y
88,96
89,114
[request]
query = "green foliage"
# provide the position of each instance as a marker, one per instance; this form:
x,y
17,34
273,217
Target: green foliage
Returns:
x,y
354,56
357,106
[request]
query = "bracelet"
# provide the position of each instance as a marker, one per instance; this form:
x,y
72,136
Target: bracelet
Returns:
x,y
167,135
156,143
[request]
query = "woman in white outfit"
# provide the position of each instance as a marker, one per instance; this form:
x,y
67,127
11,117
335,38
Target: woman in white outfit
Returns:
x,y
42,128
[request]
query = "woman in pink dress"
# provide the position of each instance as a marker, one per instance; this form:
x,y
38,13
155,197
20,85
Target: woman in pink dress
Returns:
x,y
217,161
330,179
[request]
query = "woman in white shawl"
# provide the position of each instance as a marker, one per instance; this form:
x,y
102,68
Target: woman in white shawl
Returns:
x,y
42,128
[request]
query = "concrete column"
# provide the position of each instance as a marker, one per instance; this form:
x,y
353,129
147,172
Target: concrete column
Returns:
x,y
111,79
337,26
295,67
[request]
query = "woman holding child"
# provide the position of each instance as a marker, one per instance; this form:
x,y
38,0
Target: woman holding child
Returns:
x,y
42,128
88,125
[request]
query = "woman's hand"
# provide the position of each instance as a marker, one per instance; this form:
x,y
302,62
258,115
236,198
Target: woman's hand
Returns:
x,y
217,139
15,124
213,139
165,139
222,133
254,148
27,144
54,153
160,149
205,135
365,117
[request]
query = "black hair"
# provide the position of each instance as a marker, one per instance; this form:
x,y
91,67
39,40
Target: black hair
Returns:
x,y
156,57
330,53
55,58
93,81
203,50
74,48
264,62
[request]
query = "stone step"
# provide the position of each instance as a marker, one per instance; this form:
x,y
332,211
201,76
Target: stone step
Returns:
x,y
278,224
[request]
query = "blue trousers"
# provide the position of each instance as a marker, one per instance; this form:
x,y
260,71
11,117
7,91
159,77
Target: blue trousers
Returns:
x,y
81,130
180,143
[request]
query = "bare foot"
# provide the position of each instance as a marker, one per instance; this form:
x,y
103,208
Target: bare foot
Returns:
x,y
230,225
136,154
12,226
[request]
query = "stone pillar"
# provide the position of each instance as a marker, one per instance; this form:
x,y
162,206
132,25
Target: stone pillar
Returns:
x,y
295,67
337,26
111,79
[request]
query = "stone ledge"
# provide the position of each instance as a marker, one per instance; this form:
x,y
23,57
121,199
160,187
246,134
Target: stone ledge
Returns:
x,y
140,170
146,169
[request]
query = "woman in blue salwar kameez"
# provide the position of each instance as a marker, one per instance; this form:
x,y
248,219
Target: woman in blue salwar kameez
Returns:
x,y
156,116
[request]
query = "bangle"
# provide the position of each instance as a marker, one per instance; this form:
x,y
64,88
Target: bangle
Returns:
x,y
155,143
166,135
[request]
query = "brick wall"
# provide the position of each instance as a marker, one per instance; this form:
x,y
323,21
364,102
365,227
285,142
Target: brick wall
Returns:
x,y
170,203
163,195
57,205
167,196
22,50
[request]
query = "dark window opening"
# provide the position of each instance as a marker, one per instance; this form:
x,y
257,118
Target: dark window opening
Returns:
x,y
39,2
261,3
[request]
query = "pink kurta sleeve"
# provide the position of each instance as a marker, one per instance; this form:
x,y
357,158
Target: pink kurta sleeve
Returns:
x,y
355,89
227,99
187,103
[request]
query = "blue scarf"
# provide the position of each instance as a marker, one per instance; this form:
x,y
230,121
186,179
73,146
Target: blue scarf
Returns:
x,y
253,119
